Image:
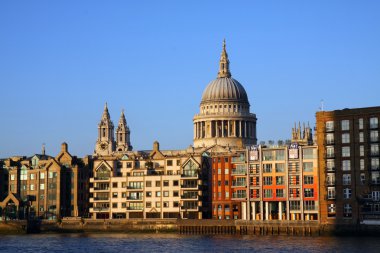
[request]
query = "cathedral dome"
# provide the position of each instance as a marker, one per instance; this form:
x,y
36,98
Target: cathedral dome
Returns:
x,y
225,89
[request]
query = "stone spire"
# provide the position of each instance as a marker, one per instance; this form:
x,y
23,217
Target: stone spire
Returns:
x,y
123,142
105,144
224,63
106,115
122,120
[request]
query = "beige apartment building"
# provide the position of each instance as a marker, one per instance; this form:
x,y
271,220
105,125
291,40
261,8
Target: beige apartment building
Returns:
x,y
149,184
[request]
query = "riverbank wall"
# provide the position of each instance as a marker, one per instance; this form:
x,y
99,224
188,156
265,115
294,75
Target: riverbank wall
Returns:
x,y
188,227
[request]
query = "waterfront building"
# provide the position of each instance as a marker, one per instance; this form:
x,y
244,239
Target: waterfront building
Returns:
x,y
47,187
267,182
3,181
150,184
348,142
224,115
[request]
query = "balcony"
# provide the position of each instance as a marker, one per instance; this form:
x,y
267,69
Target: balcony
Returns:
x,y
190,186
375,181
330,182
99,209
237,195
239,172
100,199
329,142
190,175
101,188
330,155
329,129
129,187
238,184
101,178
330,169
374,153
135,208
187,195
190,208
134,198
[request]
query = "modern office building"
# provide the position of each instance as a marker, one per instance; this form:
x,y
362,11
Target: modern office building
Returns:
x,y
267,182
348,142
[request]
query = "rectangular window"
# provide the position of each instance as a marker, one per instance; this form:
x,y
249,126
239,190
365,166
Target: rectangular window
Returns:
x,y
346,165
267,155
308,192
267,168
294,180
346,179
42,186
330,179
166,183
148,205
166,194
280,155
32,176
308,153
361,137
346,138
32,187
309,205
362,165
374,149
268,193
175,183
308,180
158,183
330,153
12,177
373,122
330,192
227,194
346,152
330,139
267,180
346,193
361,150
158,204
331,210
295,205
280,167
362,178
374,136
308,167
347,210
226,171
329,126
280,180
330,165
374,163
149,194
345,125
280,193
169,162
361,124
294,192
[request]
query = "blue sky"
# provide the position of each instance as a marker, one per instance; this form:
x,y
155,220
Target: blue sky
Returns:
x,y
60,61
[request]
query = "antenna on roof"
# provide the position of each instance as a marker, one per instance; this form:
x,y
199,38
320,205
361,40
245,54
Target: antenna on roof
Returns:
x,y
43,148
321,108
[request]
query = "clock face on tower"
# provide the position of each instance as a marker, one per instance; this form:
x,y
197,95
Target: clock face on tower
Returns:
x,y
103,146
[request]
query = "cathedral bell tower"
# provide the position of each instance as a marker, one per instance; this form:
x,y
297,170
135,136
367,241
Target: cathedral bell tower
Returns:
x,y
105,144
123,142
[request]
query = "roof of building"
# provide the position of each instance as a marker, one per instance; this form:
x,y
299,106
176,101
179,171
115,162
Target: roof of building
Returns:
x,y
224,88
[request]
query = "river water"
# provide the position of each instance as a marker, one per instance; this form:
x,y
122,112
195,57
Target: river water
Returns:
x,y
119,243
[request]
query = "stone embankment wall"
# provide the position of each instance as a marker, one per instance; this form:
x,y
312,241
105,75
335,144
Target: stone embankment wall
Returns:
x,y
233,227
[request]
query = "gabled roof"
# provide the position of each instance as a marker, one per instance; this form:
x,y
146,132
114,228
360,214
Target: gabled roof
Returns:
x,y
11,196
